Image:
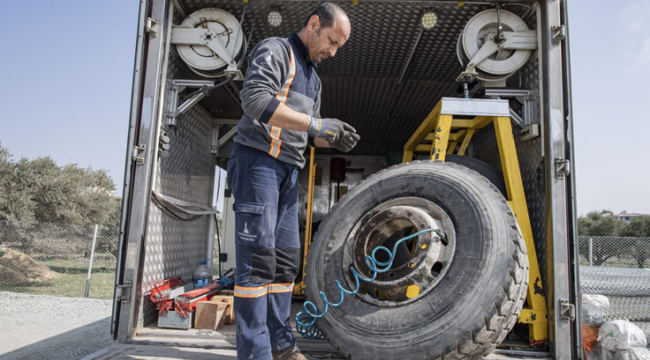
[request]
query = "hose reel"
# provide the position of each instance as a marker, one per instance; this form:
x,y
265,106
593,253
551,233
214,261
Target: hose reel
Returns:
x,y
211,42
493,45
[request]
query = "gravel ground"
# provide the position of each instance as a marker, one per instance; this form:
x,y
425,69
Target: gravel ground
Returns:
x,y
53,327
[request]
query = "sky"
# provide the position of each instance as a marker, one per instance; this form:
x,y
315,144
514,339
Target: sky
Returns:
x,y
67,65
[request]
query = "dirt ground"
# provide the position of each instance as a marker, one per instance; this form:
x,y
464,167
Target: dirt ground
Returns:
x,y
18,268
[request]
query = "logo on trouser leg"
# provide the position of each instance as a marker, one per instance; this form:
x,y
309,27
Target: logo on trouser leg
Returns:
x,y
246,235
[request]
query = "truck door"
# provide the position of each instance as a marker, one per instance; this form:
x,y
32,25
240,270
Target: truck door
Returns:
x,y
140,162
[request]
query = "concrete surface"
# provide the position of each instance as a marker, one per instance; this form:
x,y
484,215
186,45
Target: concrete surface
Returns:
x,y
44,327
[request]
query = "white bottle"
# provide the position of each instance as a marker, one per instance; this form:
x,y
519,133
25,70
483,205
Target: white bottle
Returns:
x,y
202,275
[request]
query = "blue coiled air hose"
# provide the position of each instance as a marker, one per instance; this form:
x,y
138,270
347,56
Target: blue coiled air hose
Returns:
x,y
306,319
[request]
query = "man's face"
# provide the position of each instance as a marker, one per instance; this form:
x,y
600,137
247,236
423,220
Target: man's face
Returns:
x,y
324,42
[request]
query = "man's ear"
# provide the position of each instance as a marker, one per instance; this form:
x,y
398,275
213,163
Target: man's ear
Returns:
x,y
314,22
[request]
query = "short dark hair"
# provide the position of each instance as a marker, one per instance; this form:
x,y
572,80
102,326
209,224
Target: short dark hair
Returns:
x,y
327,13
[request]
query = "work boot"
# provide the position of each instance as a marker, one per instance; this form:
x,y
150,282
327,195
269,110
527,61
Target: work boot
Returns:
x,y
292,353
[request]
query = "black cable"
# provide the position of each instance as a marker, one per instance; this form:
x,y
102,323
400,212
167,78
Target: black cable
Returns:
x,y
208,89
234,97
164,207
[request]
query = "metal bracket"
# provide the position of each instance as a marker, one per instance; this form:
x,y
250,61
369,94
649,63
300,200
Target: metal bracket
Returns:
x,y
559,33
123,295
151,27
138,154
521,95
177,86
217,140
567,311
562,168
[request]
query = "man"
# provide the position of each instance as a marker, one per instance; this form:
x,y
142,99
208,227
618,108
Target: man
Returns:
x,y
281,102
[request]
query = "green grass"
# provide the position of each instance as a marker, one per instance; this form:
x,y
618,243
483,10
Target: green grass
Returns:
x,y
72,281
101,286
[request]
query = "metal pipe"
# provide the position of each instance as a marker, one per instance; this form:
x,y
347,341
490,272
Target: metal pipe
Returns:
x,y
90,265
189,103
229,135
500,27
406,66
591,251
209,245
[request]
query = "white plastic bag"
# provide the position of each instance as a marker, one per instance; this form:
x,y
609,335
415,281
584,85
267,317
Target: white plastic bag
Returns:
x,y
594,309
635,353
620,335
599,301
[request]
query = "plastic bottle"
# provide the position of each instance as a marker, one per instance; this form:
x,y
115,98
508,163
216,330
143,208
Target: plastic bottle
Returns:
x,y
202,275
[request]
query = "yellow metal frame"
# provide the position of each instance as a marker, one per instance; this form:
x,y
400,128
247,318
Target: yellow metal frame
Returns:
x,y
435,136
299,289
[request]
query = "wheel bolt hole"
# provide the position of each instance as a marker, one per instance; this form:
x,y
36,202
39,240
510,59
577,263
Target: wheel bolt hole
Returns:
x,y
391,275
408,214
390,213
436,269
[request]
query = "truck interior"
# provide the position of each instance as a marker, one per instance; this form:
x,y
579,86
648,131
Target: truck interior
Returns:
x,y
402,59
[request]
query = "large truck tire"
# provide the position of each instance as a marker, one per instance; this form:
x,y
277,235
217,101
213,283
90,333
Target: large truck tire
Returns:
x,y
481,167
472,285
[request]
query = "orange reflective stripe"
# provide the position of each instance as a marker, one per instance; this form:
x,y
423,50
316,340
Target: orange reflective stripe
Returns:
x,y
250,292
280,288
259,291
283,94
275,135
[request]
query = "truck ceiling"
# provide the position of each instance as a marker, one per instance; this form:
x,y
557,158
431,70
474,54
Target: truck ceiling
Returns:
x,y
386,78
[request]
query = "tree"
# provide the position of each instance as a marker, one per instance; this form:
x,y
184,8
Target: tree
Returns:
x,y
15,200
41,190
639,229
600,223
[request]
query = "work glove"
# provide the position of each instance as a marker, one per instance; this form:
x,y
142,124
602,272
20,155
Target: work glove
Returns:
x,y
329,129
347,142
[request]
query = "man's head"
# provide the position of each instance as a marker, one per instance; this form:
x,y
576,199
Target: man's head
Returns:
x,y
325,31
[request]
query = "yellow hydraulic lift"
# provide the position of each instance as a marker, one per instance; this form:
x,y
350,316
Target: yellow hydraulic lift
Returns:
x,y
445,133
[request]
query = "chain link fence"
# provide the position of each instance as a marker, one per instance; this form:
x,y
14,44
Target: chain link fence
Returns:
x,y
58,259
615,251
616,268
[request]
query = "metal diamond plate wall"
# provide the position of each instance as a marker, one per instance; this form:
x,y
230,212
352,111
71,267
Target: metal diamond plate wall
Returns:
x,y
173,247
361,83
359,168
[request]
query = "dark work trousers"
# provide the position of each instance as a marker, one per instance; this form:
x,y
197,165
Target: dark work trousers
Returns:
x,y
267,247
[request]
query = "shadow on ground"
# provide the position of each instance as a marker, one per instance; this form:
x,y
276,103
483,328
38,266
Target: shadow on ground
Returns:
x,y
72,345
133,352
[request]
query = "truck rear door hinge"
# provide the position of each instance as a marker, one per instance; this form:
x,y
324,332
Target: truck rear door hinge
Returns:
x,y
562,168
567,311
124,292
138,154
559,33
151,27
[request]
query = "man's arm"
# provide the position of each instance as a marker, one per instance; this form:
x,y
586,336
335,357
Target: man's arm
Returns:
x,y
268,66
287,118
